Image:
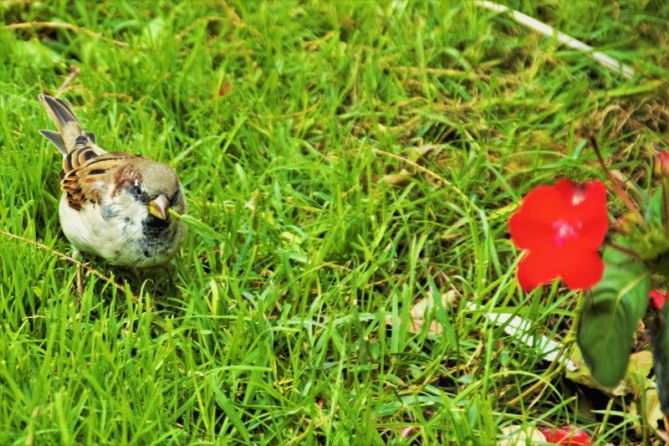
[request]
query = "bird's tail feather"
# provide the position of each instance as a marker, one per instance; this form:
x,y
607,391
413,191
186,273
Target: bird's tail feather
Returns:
x,y
69,128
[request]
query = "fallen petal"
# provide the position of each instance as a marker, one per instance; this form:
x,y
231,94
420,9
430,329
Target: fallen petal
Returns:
x,y
566,436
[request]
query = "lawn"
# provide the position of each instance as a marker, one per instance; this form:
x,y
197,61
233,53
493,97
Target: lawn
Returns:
x,y
342,162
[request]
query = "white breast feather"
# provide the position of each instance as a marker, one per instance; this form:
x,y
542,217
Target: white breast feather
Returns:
x,y
112,238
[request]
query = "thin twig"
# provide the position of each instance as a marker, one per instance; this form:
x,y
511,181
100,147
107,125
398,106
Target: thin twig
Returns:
x,y
67,26
609,62
624,250
428,172
446,72
89,269
74,72
665,202
617,187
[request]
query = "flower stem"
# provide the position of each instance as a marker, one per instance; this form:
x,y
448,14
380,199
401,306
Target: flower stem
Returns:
x,y
624,250
665,202
615,184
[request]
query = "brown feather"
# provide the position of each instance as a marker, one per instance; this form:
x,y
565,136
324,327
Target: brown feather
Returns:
x,y
83,172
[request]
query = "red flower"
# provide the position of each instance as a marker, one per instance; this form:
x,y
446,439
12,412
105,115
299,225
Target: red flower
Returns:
x,y
566,436
657,299
662,164
561,226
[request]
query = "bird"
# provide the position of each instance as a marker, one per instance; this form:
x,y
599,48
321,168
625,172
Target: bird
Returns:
x,y
114,205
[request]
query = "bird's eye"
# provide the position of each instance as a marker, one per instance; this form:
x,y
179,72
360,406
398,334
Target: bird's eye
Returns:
x,y
136,189
175,197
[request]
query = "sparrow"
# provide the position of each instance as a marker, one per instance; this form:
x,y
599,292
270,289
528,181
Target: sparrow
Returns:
x,y
114,205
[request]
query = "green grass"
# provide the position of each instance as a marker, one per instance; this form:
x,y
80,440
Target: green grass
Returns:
x,y
274,330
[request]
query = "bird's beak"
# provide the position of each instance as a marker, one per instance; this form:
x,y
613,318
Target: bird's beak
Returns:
x,y
158,207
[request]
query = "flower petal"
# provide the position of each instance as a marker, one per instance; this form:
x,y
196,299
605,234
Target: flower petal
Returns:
x,y
531,226
545,203
569,191
536,268
592,234
583,206
657,299
592,213
528,232
580,268
561,226
594,200
661,168
586,200
567,435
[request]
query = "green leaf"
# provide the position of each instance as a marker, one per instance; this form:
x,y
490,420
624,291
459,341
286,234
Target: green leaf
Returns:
x,y
203,230
635,380
610,316
651,242
655,210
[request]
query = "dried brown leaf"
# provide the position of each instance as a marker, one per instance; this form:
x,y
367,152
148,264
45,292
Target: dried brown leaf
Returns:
x,y
421,310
